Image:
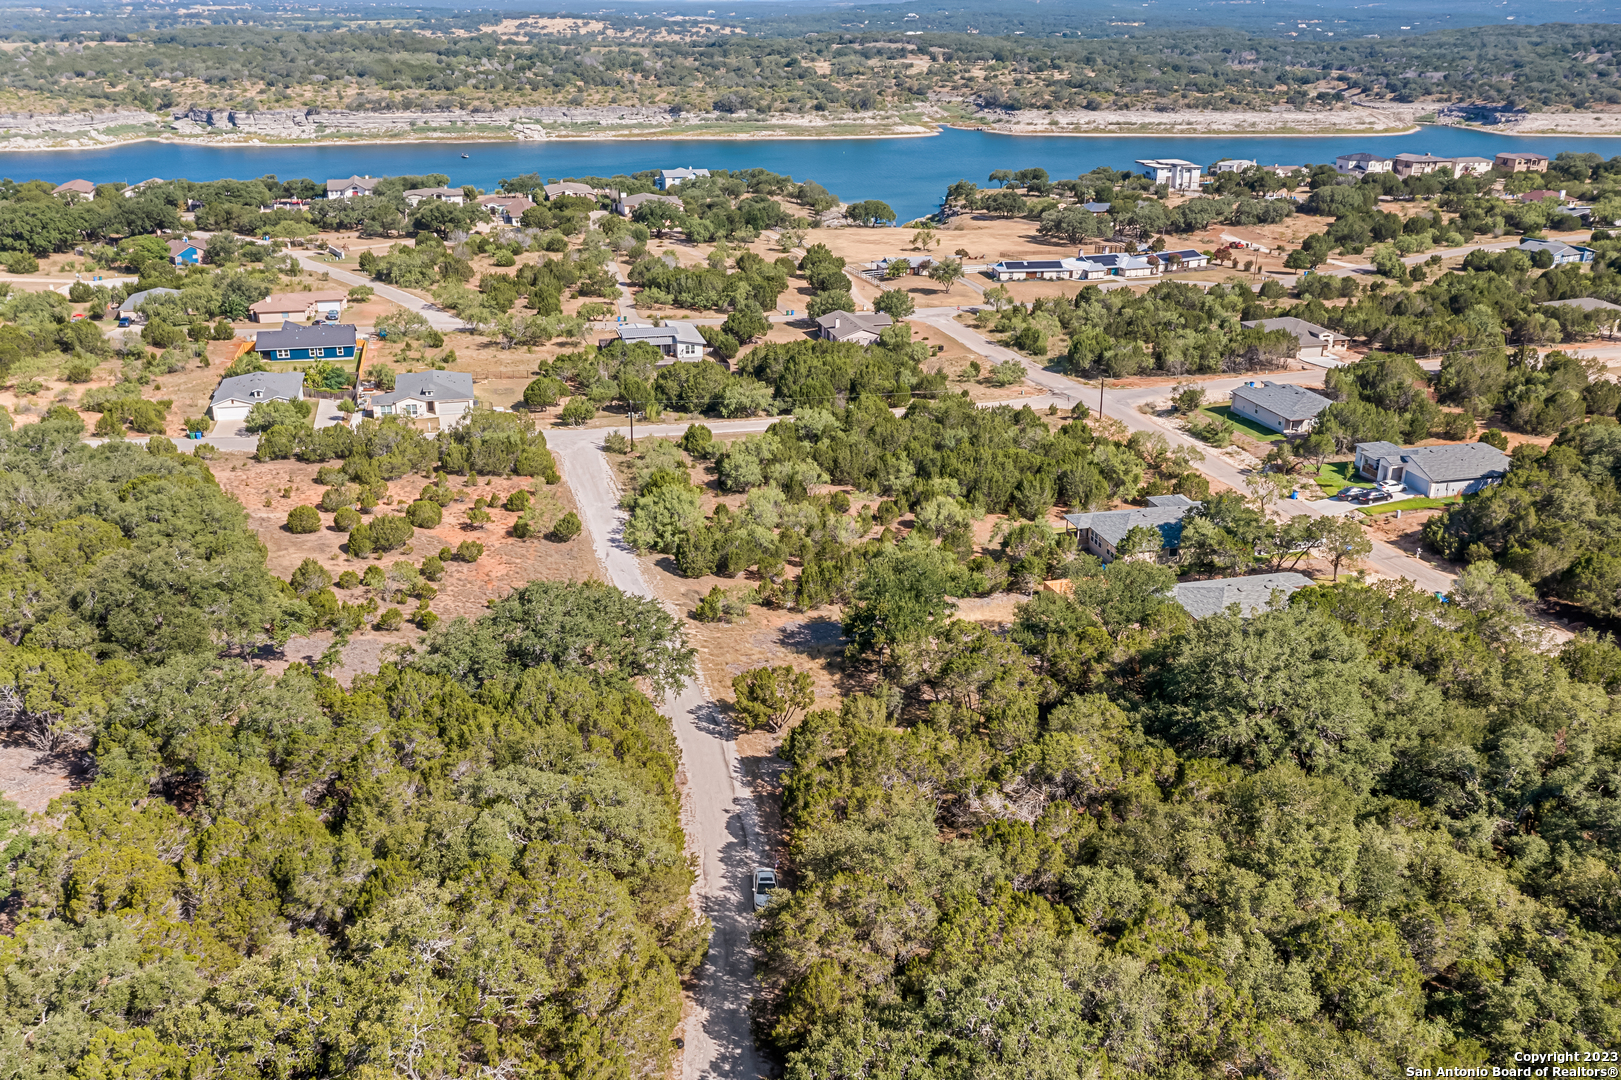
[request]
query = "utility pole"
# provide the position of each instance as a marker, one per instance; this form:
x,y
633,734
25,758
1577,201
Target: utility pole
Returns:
x,y
1102,380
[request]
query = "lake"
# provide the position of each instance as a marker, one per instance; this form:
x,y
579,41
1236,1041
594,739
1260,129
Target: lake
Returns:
x,y
910,174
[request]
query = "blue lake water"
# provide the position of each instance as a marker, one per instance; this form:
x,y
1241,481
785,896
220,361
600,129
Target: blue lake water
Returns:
x,y
911,174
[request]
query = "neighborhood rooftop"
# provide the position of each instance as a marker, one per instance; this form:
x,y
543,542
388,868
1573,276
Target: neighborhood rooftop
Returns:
x,y
416,385
1202,599
1286,399
1163,512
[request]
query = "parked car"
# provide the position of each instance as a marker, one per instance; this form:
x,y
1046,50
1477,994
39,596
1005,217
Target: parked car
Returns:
x,y
1374,498
765,880
1352,494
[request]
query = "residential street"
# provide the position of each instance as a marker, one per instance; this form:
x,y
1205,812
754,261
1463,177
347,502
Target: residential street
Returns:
x,y
437,317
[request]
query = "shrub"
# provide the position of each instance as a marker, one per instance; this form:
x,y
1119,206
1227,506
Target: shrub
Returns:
x,y
337,498
697,441
303,519
392,619
425,514
888,512
223,331
577,411
348,580
80,371
1495,437
537,461
840,502
80,292
468,551
567,527
374,578
433,568
1007,373
160,335
725,605
543,392
1214,431
517,502
20,262
345,518
310,577
390,532
425,619
447,553
615,442
360,544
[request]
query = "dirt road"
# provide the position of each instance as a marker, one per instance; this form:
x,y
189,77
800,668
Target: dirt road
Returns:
x,y
722,825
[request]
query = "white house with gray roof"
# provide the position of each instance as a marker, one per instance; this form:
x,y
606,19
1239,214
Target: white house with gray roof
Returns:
x,y
1103,531
676,340
235,396
129,313
669,178
1316,342
861,327
1435,472
1202,599
1282,407
444,395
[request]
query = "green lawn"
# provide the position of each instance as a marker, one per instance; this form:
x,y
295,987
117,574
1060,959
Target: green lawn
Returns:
x,y
1247,426
1335,475
1414,504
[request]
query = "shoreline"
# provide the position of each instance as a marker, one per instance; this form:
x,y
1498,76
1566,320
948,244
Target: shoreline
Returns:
x,y
775,134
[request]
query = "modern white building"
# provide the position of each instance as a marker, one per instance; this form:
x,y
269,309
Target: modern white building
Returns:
x,y
1435,472
1362,164
669,178
1282,407
350,188
676,340
1174,173
1048,270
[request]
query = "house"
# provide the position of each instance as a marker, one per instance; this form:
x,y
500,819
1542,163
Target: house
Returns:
x,y
235,396
1202,599
135,189
1405,165
129,313
1361,164
507,209
915,264
1174,173
1184,259
1607,316
669,178
676,340
625,205
348,189
1540,194
1518,162
444,395
453,195
322,342
1562,252
286,307
1471,166
1130,266
569,187
1232,165
861,327
83,189
287,204
1282,407
1315,341
185,253
1103,531
1435,472
1095,207
1048,270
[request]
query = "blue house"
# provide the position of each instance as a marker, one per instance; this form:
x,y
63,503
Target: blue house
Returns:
x,y
185,253
1562,252
321,342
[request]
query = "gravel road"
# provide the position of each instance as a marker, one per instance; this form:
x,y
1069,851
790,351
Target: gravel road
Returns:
x,y
722,823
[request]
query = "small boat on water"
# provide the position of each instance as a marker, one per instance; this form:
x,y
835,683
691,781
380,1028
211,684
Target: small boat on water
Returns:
x,y
464,155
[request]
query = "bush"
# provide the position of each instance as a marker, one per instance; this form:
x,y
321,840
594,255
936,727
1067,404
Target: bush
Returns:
x,y
840,502
888,513
1495,437
361,545
20,262
425,619
348,580
567,528
697,441
433,568
537,461
1217,433
468,551
337,498
1007,372
392,619
223,331
345,519
390,532
80,371
615,442
543,392
517,502
160,335
425,514
80,292
577,411
303,519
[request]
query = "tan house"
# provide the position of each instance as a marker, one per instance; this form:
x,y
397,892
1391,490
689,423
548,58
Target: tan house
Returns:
x,y
84,189
1518,162
300,306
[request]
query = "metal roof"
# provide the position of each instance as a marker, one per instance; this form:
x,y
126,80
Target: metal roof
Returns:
x,y
1304,331
135,300
1287,400
1586,303
1162,513
682,333
843,324
1202,599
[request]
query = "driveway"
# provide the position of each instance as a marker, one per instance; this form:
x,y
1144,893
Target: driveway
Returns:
x,y
437,317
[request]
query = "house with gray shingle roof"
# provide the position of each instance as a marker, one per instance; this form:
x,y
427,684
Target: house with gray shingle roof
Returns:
x,y
1434,471
444,395
1315,341
235,396
1202,599
1282,407
1103,531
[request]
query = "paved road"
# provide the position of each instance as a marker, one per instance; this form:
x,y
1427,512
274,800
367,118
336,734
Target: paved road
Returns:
x,y
1386,559
722,822
437,317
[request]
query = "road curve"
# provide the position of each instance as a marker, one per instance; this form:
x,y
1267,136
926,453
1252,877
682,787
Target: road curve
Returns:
x,y
721,819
